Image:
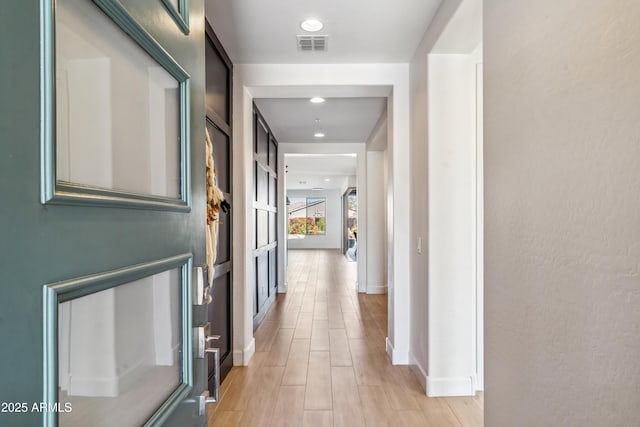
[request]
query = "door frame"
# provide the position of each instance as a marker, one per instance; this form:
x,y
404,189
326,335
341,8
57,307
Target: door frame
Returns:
x,y
307,80
226,360
345,217
93,239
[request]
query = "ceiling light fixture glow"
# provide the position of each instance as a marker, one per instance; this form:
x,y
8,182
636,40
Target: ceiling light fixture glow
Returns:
x,y
316,100
319,135
327,179
311,25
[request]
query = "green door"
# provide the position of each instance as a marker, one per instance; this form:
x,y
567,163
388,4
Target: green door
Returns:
x,y
102,212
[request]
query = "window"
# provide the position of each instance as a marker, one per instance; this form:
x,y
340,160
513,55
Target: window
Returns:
x,y
307,215
115,111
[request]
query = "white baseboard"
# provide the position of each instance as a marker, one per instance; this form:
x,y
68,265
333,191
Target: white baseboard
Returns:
x,y
242,357
110,386
450,386
93,387
418,372
479,382
168,357
237,357
376,290
396,357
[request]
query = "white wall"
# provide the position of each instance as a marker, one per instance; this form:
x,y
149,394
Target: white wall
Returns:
x,y
562,272
113,339
443,204
478,232
419,211
90,368
377,227
333,237
451,87
359,181
107,139
377,274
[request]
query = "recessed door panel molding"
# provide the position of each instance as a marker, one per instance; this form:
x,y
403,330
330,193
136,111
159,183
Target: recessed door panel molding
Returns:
x,y
179,11
115,111
116,337
218,92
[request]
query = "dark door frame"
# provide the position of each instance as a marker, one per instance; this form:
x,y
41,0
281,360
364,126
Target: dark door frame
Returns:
x,y
345,217
225,126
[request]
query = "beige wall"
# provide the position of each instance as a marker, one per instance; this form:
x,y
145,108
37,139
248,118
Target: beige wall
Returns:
x,y
562,212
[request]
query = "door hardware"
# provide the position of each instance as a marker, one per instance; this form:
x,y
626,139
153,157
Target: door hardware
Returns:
x,y
201,292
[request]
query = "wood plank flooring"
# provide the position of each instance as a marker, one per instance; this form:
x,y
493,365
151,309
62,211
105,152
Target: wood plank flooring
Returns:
x,y
320,361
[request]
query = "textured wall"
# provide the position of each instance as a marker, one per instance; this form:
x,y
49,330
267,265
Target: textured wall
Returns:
x,y
562,196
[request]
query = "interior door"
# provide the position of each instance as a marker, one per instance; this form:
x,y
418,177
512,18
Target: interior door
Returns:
x,y
265,207
218,105
102,212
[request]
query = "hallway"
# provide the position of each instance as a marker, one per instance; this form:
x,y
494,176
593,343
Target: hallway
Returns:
x,y
320,360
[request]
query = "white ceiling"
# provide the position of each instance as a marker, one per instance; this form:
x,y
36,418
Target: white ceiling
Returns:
x,y
340,119
312,171
463,32
360,31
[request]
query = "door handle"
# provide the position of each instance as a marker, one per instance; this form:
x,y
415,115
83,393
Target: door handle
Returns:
x,y
200,339
204,398
216,375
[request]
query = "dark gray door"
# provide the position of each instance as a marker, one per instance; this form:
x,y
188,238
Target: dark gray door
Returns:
x,y
265,208
102,212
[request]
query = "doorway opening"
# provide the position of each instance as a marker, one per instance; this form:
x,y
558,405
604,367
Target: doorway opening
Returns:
x,y
316,187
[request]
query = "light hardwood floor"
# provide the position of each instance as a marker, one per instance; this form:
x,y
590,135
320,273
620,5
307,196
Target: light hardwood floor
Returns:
x,y
320,361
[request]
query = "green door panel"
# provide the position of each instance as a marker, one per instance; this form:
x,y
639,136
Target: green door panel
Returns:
x,y
42,244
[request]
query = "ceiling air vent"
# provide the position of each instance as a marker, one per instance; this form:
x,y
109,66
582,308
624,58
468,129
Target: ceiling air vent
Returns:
x,y
309,43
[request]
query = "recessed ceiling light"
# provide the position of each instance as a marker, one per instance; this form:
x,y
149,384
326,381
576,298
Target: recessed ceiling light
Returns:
x,y
319,135
311,25
327,179
316,100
